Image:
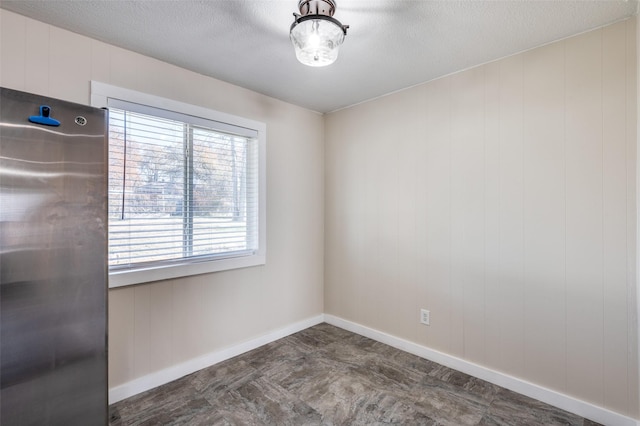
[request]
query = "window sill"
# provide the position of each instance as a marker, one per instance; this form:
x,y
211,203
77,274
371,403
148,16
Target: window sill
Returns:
x,y
158,273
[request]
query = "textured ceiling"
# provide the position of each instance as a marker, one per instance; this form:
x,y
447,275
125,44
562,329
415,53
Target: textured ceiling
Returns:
x,y
391,44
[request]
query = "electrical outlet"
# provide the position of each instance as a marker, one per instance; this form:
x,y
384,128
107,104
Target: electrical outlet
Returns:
x,y
425,317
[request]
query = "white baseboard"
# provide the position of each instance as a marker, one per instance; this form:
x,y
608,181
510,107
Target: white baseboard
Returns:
x,y
557,399
548,396
167,375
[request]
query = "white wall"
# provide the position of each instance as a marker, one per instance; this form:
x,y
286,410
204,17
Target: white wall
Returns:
x,y
502,199
158,325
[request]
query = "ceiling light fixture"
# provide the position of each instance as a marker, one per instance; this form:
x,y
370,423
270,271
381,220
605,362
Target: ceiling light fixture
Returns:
x,y
315,34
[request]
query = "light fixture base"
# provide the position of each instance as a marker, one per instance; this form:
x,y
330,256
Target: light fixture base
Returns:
x,y
317,7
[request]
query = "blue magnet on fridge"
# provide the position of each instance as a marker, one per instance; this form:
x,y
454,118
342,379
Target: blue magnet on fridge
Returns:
x,y
44,118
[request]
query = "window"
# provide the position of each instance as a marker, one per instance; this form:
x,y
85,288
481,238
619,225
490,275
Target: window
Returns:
x,y
186,188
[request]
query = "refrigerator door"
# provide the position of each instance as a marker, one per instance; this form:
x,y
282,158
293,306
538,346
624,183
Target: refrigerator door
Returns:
x,y
53,292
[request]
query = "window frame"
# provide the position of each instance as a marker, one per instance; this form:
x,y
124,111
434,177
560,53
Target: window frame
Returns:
x,y
101,94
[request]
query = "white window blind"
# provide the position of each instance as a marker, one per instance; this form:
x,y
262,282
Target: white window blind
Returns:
x,y
181,188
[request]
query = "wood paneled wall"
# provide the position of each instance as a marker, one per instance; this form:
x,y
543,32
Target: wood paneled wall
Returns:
x,y
501,198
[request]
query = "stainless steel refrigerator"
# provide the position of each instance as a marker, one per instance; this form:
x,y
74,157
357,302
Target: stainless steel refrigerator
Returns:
x,y
53,292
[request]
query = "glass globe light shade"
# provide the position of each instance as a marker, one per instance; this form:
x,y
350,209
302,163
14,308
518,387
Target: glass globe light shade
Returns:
x,y
317,39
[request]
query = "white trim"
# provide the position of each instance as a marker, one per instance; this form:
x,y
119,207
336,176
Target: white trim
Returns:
x,y
164,272
548,396
101,92
150,381
103,95
177,115
562,401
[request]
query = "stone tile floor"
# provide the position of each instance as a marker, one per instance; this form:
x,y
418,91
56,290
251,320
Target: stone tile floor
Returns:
x,y
328,376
